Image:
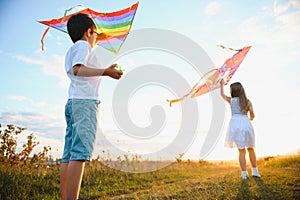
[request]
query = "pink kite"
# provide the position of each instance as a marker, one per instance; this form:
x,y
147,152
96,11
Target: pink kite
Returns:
x,y
213,81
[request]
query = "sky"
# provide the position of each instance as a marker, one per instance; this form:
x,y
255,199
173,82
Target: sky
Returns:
x,y
33,89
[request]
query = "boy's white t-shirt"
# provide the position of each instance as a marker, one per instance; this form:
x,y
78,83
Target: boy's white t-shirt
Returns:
x,y
82,87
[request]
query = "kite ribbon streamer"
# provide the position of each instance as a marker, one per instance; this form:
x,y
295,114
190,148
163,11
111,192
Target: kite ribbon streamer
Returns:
x,y
65,13
190,92
47,29
42,39
223,47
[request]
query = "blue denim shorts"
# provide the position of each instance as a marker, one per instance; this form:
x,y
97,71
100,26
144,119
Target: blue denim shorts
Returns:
x,y
82,121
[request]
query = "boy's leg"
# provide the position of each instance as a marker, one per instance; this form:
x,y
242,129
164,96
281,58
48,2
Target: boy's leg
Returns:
x,y
67,149
74,177
63,179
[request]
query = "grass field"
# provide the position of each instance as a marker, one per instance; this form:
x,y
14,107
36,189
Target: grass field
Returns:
x,y
187,180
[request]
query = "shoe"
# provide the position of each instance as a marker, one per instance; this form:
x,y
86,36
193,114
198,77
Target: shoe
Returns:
x,y
244,175
255,172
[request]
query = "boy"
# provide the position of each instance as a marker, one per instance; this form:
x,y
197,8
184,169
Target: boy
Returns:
x,y
83,104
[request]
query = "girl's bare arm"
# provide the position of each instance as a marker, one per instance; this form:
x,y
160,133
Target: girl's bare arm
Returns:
x,y
251,111
227,98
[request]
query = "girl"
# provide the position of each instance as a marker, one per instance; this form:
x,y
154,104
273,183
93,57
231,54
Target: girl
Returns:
x,y
240,132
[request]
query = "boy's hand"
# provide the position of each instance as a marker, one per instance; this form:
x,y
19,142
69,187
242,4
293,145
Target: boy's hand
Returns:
x,y
113,72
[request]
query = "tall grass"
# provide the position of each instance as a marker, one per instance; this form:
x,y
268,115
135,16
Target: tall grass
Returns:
x,y
23,182
184,180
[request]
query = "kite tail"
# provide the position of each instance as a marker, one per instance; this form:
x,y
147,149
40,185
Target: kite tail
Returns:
x,y
223,47
173,101
178,99
47,29
191,91
42,39
66,11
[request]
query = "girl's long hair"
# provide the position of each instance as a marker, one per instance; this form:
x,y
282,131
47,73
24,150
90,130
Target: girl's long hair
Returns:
x,y
237,90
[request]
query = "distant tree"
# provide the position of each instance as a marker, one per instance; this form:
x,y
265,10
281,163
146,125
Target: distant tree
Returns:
x,y
8,145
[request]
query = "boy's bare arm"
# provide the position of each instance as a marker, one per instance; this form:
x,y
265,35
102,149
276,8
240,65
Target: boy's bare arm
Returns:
x,y
81,70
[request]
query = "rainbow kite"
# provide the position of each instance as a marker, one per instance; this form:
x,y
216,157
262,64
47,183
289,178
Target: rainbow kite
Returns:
x,y
116,25
213,81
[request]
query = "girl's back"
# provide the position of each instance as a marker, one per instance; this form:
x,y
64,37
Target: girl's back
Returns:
x,y
235,106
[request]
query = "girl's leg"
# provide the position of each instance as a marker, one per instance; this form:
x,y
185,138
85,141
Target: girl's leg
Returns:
x,y
252,157
242,159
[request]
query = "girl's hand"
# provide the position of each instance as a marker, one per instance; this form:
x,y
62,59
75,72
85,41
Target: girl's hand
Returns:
x,y
222,82
226,98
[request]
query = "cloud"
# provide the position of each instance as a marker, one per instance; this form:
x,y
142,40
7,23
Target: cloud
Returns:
x,y
212,8
31,103
289,23
280,8
52,65
274,55
275,39
295,4
19,98
46,125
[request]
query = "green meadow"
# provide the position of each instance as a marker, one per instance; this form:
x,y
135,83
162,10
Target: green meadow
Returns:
x,y
180,180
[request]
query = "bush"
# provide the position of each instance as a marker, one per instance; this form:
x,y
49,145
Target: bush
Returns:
x,y
8,145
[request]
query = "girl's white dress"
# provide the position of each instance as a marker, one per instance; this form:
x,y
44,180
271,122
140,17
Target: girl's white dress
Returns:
x,y
240,132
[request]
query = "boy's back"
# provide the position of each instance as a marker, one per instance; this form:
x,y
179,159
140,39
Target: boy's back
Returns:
x,y
81,87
